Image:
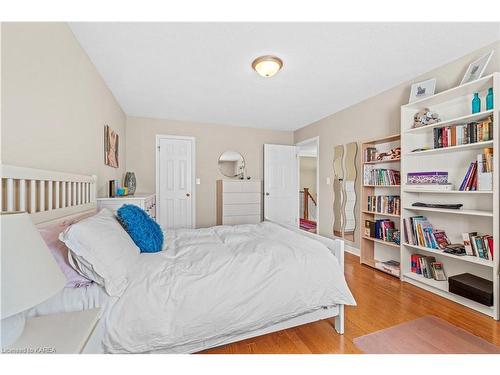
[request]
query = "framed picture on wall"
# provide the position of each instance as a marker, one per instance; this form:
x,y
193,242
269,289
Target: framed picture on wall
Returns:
x,y
422,89
476,68
110,147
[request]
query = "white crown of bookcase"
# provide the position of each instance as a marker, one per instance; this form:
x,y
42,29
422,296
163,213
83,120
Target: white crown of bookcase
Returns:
x,y
480,211
46,195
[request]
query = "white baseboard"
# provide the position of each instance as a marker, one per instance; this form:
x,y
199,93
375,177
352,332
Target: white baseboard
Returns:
x,y
352,250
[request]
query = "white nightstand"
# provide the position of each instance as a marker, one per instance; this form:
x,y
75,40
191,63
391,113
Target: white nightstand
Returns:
x,y
65,333
145,201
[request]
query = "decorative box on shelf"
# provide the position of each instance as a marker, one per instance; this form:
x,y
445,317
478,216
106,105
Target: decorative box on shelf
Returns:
x,y
427,178
145,201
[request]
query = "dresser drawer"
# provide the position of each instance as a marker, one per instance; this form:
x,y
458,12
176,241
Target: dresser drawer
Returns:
x,y
241,198
242,186
241,209
235,220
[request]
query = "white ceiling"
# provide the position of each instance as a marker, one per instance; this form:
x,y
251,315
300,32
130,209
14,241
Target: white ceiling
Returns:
x,y
201,71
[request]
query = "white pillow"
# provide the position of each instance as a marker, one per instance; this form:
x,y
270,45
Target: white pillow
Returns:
x,y
102,250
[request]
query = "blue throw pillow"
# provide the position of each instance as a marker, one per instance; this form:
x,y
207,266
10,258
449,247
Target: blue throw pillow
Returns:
x,y
143,230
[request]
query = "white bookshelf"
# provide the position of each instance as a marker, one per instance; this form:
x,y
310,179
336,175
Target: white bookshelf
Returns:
x,y
480,211
373,250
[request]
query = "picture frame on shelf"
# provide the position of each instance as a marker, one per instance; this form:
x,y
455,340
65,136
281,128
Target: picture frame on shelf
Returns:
x,y
476,68
422,89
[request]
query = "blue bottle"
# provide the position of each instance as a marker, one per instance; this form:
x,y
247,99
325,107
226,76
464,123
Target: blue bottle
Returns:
x,y
476,103
489,99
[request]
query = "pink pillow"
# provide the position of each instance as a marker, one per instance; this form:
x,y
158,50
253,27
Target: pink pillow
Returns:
x,y
50,235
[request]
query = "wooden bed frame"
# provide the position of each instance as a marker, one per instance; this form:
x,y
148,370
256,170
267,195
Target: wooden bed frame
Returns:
x,y
52,197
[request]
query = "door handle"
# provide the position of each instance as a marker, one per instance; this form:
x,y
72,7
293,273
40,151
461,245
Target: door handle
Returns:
x,y
267,193
188,195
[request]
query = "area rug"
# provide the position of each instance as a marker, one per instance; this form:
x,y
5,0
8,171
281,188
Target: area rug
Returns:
x,y
427,335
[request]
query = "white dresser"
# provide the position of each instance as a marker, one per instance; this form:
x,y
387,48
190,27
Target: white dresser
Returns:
x,y
145,201
239,202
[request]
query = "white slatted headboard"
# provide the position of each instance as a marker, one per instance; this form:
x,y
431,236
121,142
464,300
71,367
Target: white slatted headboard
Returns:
x,y
46,195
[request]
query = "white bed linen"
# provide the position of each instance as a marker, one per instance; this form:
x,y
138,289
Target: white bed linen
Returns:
x,y
218,282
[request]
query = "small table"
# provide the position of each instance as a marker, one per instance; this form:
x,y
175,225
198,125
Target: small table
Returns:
x,y
65,333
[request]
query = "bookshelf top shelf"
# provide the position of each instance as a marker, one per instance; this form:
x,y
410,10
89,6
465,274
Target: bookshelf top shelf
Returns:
x,y
470,88
378,141
455,121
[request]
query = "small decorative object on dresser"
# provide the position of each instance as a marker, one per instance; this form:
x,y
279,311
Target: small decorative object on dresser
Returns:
x,y
130,182
476,68
145,201
423,89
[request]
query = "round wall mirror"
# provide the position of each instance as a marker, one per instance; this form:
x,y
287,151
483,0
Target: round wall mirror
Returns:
x,y
231,164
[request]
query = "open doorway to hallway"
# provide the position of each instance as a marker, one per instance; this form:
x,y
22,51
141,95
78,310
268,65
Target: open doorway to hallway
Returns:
x,y
308,163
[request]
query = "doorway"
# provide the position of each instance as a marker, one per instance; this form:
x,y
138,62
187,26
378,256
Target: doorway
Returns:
x,y
308,172
175,181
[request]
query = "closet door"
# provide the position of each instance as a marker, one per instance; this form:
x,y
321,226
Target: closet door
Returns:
x,y
281,188
175,183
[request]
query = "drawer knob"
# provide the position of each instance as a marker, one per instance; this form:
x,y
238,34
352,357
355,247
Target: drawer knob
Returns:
x,y
188,195
267,193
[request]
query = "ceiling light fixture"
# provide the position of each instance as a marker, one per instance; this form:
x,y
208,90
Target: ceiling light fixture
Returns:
x,y
267,66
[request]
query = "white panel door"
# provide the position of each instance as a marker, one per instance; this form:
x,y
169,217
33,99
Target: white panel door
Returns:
x,y
281,187
175,183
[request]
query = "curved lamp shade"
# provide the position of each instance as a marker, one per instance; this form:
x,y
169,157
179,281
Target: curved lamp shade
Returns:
x,y
267,66
30,275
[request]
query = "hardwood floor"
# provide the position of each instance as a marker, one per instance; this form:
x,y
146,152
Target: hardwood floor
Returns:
x,y
383,301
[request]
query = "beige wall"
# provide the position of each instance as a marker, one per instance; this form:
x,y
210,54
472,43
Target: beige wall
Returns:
x,y
211,141
55,103
307,165
373,118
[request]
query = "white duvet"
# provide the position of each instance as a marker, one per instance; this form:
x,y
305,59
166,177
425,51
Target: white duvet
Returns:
x,y
221,281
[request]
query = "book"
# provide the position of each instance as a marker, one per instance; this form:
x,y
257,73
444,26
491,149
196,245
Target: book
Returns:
x,y
466,237
438,271
441,239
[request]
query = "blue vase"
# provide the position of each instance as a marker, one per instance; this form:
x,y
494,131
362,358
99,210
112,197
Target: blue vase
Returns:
x,y
476,103
489,99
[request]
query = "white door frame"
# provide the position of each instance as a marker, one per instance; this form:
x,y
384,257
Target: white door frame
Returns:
x,y
316,139
193,169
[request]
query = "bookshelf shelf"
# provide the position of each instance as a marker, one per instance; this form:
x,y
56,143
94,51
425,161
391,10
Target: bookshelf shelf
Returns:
x,y
481,209
372,249
441,288
379,213
464,258
382,186
391,244
382,161
455,121
447,191
452,211
443,150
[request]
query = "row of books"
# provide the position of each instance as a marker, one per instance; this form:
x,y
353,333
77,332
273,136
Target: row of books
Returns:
x,y
419,231
463,134
475,178
428,267
385,204
383,229
478,245
380,176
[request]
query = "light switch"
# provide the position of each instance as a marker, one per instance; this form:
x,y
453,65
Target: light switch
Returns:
x,y
197,181
328,180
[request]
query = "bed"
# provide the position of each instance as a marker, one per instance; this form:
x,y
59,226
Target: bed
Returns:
x,y
209,287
